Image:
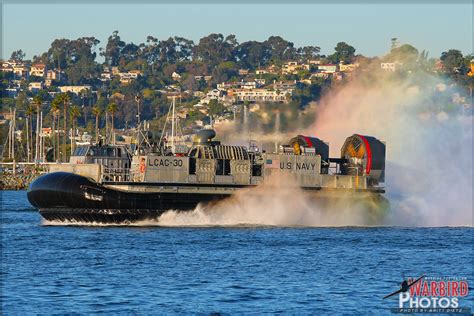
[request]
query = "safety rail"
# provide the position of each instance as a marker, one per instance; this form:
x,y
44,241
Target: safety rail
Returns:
x,y
115,174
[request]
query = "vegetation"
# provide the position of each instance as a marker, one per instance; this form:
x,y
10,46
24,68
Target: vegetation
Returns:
x,y
201,66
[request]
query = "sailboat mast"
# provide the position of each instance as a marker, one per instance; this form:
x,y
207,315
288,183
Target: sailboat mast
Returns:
x,y
172,123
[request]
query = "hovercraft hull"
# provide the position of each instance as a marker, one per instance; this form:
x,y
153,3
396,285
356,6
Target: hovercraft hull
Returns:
x,y
63,196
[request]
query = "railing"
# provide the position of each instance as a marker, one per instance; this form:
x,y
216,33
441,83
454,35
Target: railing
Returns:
x,y
115,174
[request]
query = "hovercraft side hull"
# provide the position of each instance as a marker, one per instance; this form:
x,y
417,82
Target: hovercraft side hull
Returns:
x,y
63,196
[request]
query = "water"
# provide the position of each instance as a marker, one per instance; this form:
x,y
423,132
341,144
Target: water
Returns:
x,y
64,269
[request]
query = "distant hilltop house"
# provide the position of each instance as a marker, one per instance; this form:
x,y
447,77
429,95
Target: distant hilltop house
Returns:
x,y
255,95
74,89
238,84
292,67
127,77
203,77
268,70
21,71
35,86
38,70
348,67
327,68
175,76
390,66
57,75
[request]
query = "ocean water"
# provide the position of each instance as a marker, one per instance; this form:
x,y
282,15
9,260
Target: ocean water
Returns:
x,y
243,269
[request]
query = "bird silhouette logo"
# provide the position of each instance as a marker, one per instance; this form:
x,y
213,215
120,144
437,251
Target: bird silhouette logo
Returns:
x,y
404,287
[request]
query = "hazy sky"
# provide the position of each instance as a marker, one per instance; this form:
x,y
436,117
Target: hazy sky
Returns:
x,y
367,27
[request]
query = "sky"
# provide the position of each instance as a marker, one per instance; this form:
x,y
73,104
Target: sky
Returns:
x,y
368,27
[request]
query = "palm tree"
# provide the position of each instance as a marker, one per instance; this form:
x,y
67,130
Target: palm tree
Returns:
x,y
112,108
96,111
65,99
37,101
55,113
30,110
74,113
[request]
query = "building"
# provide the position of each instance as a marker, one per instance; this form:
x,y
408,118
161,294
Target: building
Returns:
x,y
35,86
292,67
238,85
21,71
390,66
268,70
105,76
256,95
74,89
38,70
347,67
57,75
284,86
327,68
175,76
11,92
127,77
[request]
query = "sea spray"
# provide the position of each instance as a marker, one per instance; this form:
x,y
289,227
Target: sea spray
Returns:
x,y
428,137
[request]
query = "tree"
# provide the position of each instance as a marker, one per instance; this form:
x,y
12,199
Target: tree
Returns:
x,y
343,53
18,55
113,49
214,49
96,111
405,54
252,54
65,99
112,108
55,111
30,110
74,113
308,52
37,102
453,62
281,49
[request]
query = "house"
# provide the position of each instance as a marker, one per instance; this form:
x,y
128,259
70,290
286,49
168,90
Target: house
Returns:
x,y
35,86
255,95
175,76
74,89
105,76
21,71
11,92
268,70
327,68
238,84
285,86
347,67
57,75
292,67
38,70
127,77
390,66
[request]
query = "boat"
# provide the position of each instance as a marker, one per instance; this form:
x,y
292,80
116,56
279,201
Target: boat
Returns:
x,y
116,184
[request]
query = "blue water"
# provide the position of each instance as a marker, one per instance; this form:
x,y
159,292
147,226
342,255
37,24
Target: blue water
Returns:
x,y
151,270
